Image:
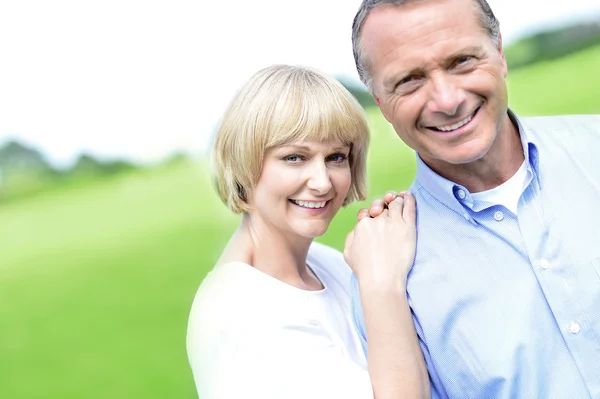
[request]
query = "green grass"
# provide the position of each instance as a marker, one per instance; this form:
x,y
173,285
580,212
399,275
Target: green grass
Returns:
x,y
96,284
566,86
96,281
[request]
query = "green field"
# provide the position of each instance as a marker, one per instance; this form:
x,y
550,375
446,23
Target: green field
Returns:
x,y
96,282
566,86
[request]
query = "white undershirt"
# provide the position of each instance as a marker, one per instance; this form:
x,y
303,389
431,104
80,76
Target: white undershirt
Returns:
x,y
253,336
506,194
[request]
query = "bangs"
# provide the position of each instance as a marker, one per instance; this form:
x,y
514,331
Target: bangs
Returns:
x,y
308,109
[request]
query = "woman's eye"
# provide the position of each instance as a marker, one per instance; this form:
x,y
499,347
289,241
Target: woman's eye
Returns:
x,y
292,158
337,158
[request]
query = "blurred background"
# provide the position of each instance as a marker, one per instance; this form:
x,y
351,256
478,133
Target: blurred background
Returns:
x,y
108,220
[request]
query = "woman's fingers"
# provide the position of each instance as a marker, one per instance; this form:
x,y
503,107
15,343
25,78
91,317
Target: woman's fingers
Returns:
x,y
396,207
377,206
409,213
389,196
363,213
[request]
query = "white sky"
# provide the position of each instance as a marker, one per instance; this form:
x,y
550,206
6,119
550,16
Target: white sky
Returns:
x,y
144,78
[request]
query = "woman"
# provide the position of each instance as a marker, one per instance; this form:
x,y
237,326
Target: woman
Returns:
x,y
272,319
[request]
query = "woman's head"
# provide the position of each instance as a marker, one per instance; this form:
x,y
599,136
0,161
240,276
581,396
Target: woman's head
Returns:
x,y
278,106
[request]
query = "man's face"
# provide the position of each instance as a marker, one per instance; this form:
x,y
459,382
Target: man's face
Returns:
x,y
437,78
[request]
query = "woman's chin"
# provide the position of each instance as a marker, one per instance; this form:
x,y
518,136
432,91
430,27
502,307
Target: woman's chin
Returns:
x,y
312,233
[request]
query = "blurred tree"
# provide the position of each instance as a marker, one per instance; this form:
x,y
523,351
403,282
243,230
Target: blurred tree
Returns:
x,y
88,167
549,45
359,92
18,158
23,170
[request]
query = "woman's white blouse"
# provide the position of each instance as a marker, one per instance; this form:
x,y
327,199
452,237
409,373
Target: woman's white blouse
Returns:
x,y
253,336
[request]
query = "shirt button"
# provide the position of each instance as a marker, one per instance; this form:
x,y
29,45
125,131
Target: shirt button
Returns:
x,y
498,216
461,194
574,328
544,264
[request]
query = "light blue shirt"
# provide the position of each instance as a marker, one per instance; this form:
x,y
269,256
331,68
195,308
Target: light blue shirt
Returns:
x,y
505,305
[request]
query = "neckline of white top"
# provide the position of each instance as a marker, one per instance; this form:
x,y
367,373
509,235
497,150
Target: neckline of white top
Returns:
x,y
276,281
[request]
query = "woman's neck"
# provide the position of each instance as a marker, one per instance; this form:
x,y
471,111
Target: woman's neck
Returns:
x,y
273,252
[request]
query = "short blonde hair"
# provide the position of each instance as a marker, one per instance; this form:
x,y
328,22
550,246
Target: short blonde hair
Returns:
x,y
279,105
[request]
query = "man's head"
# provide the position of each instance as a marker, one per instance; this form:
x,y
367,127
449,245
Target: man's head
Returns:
x,y
437,71
487,19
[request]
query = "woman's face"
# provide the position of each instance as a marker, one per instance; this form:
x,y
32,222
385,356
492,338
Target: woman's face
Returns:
x,y
302,186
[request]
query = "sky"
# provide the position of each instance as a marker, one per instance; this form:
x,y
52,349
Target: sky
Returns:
x,y
143,79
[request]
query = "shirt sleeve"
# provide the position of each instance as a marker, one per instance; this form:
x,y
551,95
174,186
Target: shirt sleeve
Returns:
x,y
293,361
357,313
437,388
435,382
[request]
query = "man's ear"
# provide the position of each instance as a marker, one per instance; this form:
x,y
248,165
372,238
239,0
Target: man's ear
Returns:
x,y
501,51
378,102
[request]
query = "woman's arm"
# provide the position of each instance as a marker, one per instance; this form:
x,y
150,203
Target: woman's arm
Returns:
x,y
381,252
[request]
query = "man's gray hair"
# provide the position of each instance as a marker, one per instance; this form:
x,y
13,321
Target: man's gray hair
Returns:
x,y
488,22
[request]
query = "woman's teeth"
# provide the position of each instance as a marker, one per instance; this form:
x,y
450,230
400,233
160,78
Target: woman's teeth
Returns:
x,y
311,204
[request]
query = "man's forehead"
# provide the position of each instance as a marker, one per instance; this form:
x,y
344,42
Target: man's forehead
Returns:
x,y
389,28
418,12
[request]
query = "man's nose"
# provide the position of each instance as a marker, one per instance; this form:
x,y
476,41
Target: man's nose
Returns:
x,y
445,96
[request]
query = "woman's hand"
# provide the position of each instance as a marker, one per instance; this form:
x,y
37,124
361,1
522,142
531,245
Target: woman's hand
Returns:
x,y
381,248
378,205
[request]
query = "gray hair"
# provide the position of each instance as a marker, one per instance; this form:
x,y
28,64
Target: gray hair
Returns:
x,y
487,18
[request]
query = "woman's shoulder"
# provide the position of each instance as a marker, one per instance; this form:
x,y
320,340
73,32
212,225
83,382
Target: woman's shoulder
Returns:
x,y
232,295
223,291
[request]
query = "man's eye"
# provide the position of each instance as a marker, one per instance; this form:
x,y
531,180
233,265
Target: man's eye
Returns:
x,y
408,84
462,60
407,79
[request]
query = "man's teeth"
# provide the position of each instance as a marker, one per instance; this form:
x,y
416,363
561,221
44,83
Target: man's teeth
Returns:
x,y
456,125
307,204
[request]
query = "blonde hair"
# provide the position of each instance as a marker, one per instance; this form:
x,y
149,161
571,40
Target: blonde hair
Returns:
x,y
279,105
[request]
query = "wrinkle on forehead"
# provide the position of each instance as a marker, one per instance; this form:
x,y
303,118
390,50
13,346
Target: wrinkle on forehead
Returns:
x,y
409,34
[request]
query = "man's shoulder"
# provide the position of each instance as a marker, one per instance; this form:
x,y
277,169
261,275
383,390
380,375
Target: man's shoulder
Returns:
x,y
559,123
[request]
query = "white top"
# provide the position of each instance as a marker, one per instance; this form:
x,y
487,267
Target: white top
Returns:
x,y
253,336
506,194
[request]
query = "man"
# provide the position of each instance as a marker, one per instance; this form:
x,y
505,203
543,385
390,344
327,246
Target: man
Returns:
x,y
505,286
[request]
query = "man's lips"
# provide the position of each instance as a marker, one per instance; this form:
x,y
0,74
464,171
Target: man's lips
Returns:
x,y
450,127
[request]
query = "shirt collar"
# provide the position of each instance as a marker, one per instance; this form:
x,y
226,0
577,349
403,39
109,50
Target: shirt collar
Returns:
x,y
457,197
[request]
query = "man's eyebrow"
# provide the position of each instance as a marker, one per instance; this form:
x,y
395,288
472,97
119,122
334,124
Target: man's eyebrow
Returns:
x,y
391,82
